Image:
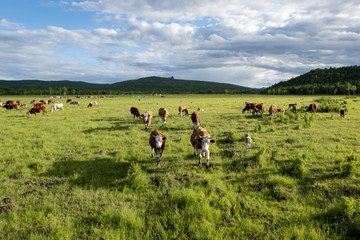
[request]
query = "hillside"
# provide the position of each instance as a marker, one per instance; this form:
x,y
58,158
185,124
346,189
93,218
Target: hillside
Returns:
x,y
343,80
142,85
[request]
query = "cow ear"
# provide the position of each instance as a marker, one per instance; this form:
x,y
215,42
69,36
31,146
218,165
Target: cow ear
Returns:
x,y
212,141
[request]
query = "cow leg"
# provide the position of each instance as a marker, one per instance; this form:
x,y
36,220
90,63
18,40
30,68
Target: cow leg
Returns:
x,y
158,156
152,152
207,159
200,157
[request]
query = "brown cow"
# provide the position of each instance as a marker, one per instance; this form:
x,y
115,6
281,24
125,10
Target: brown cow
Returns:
x,y
272,110
147,117
281,110
38,104
51,101
249,106
342,113
195,118
183,109
293,106
94,103
312,107
200,139
11,106
259,108
157,141
163,113
35,110
135,111
68,100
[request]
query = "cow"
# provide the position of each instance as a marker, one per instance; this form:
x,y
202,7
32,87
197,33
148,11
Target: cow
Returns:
x,y
147,117
57,106
38,104
195,118
10,102
35,110
68,100
293,106
200,109
32,101
272,110
157,142
248,141
135,111
19,102
11,106
163,113
249,106
44,101
200,140
75,103
342,113
281,110
259,108
51,101
312,107
94,103
183,109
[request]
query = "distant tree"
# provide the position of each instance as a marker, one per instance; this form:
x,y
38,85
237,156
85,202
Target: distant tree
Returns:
x,y
73,91
348,87
64,90
50,91
353,88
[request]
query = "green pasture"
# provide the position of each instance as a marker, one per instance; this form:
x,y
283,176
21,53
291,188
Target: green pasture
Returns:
x,y
86,173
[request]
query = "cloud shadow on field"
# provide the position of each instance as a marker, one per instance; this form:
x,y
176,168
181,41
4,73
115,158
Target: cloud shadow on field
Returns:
x,y
99,173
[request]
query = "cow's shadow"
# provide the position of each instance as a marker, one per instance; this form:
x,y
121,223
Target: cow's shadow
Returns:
x,y
98,173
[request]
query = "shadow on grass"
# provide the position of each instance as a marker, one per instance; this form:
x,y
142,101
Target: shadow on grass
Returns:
x,y
100,173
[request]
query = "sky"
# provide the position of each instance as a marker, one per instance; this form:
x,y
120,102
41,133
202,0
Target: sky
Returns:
x,y
249,43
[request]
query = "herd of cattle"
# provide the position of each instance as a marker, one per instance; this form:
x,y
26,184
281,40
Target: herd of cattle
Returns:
x,y
200,138
39,106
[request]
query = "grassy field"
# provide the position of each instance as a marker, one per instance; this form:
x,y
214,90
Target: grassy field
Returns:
x,y
86,173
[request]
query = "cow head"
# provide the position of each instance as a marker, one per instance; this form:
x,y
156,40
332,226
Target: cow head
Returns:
x,y
205,141
158,140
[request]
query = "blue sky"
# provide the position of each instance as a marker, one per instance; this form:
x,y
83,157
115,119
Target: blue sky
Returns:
x,y
248,43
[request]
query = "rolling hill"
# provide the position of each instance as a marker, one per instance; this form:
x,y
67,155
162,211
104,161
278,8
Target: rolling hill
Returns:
x,y
142,85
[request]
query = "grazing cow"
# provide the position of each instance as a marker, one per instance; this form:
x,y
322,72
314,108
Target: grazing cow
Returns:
x,y
11,106
68,100
342,113
183,109
272,110
281,110
259,108
200,139
51,101
57,106
248,141
195,118
38,104
10,102
135,111
312,107
249,106
35,110
200,109
44,101
157,141
293,106
75,103
163,113
94,103
147,117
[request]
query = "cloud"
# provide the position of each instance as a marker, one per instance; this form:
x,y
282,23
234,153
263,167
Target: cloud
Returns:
x,y
254,44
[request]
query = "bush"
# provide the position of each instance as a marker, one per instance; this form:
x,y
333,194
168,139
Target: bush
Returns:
x,y
138,180
294,168
347,166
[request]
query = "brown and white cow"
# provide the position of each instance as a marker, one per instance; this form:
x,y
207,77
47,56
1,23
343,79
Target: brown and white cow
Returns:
x,y
342,113
135,111
259,108
248,141
272,110
195,118
147,117
51,101
183,109
11,106
312,107
163,113
94,103
281,110
200,140
35,110
38,104
200,109
249,106
157,142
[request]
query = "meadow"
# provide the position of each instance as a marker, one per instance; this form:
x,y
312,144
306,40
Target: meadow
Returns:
x,y
86,173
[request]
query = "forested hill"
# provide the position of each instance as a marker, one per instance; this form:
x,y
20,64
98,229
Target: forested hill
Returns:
x,y
343,80
142,85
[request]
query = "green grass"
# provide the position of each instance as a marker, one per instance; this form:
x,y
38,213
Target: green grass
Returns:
x,y
86,173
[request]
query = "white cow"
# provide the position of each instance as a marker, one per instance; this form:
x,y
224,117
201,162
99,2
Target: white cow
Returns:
x,y
57,106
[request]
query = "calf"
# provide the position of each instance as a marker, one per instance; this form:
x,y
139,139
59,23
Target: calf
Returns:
x,y
272,110
259,108
342,113
200,109
200,140
195,119
157,141
248,141
147,117
57,106
183,109
312,107
163,113
135,111
281,110
35,110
